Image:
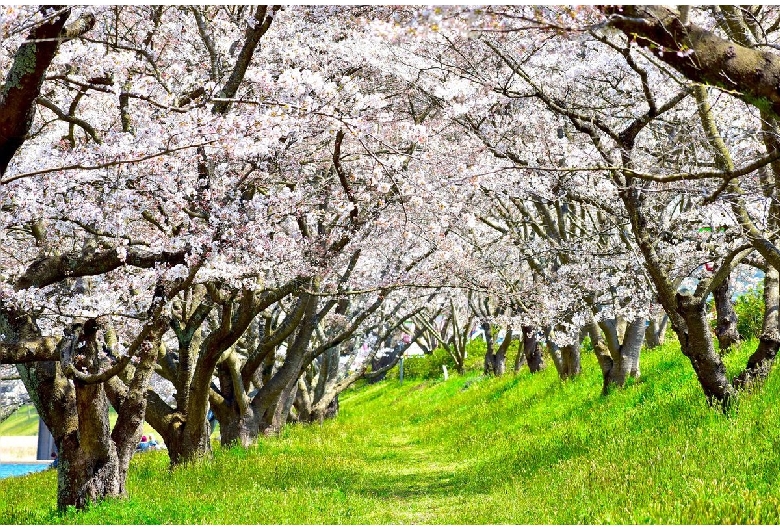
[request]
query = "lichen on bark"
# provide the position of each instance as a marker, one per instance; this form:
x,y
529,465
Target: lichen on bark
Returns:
x,y
24,64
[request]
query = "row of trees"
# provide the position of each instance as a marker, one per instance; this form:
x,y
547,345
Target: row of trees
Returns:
x,y
237,209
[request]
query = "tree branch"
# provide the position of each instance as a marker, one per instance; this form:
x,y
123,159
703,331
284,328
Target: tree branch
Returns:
x,y
48,270
701,55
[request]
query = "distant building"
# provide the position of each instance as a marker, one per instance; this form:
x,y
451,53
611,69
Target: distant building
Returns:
x,y
12,390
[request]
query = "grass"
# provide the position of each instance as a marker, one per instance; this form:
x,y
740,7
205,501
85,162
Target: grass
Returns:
x,y
23,422
517,449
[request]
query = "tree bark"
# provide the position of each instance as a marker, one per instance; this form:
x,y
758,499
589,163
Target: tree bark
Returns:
x,y
726,328
565,358
276,413
490,356
602,355
380,366
696,344
268,410
71,398
749,73
771,322
570,355
88,468
631,347
532,349
520,357
499,364
252,35
655,333
760,363
25,77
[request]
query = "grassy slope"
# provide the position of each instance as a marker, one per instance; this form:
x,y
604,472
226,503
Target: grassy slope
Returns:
x,y
23,422
524,449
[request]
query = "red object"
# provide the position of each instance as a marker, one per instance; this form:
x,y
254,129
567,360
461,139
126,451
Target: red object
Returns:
x,y
709,266
143,438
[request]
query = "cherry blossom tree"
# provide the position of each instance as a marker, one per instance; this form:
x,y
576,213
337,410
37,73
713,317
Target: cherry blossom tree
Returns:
x,y
621,147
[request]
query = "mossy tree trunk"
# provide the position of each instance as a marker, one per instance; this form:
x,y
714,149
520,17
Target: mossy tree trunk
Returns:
x,y
726,326
71,398
750,73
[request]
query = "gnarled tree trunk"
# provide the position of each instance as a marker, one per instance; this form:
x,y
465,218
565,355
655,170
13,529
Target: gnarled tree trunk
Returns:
x,y
88,468
696,344
71,398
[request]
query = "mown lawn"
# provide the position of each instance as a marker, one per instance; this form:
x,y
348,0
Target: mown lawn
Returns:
x,y
518,449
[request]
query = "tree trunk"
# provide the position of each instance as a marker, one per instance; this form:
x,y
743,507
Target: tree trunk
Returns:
x,y
329,412
726,328
771,323
77,416
93,458
570,357
760,363
24,80
275,417
520,358
188,444
85,477
557,358
602,355
655,334
184,443
303,402
628,361
267,411
499,362
490,356
696,344
378,365
495,359
532,350
566,358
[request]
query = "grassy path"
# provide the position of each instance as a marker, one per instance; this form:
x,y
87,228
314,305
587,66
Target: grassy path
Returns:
x,y
519,449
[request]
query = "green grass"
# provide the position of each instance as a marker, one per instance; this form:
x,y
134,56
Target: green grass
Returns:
x,y
23,422
475,450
